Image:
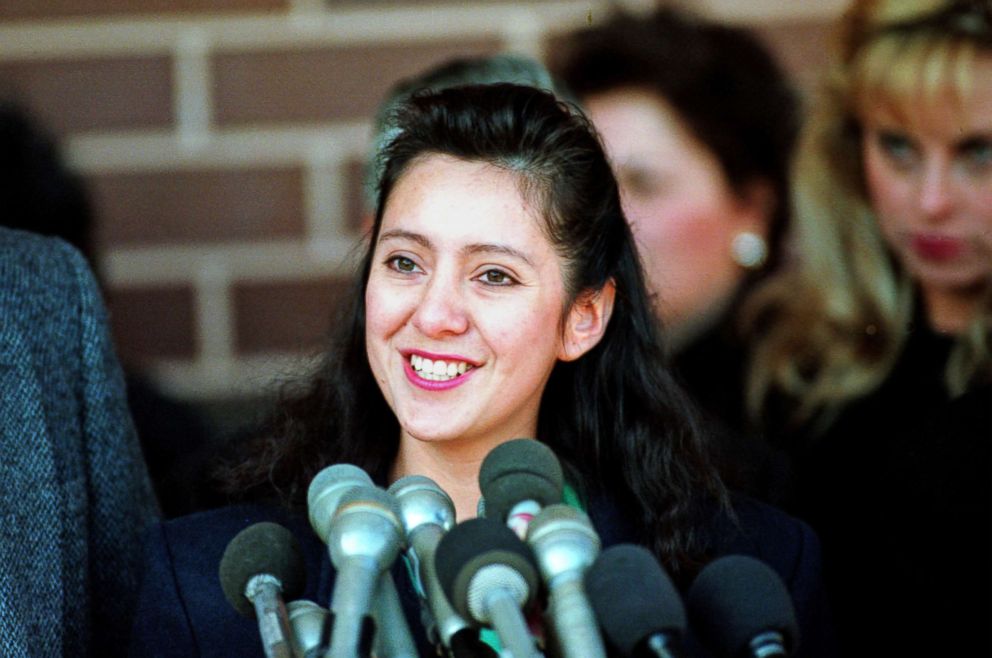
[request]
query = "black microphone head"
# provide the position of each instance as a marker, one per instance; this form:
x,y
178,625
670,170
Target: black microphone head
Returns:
x,y
262,548
471,546
633,597
518,470
737,598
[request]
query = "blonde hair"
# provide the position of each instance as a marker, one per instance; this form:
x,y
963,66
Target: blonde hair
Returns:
x,y
830,328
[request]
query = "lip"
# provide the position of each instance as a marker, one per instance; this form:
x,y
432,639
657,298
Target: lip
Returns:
x,y
936,247
430,385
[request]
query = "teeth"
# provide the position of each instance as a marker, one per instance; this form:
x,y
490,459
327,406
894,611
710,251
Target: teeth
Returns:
x,y
438,371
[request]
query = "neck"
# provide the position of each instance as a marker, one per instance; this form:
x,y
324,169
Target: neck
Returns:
x,y
453,465
951,311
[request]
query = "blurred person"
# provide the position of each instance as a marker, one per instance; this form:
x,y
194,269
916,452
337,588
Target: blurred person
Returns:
x,y
699,123
500,296
73,486
873,365
38,193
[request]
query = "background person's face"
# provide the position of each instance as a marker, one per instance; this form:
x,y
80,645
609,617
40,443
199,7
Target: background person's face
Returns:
x,y
463,301
929,180
682,211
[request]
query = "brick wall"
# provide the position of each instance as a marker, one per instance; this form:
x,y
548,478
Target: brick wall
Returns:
x,y
222,141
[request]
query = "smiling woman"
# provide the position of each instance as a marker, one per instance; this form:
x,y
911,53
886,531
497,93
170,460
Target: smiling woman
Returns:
x,y
500,296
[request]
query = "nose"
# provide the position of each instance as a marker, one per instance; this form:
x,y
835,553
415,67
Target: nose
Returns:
x,y
441,310
937,190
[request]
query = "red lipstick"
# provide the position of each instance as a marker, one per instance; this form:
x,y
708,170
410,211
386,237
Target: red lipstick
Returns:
x,y
937,247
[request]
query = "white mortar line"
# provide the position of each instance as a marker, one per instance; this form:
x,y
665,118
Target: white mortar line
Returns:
x,y
324,197
214,311
256,261
192,97
158,36
215,378
245,147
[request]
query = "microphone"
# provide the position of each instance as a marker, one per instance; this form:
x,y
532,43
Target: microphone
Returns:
x,y
489,575
427,513
517,478
636,602
260,565
326,490
740,607
308,621
364,538
565,545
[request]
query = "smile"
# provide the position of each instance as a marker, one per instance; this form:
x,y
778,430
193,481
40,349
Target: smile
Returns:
x,y
438,370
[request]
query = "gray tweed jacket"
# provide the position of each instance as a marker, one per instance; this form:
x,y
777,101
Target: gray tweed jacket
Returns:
x,y
74,492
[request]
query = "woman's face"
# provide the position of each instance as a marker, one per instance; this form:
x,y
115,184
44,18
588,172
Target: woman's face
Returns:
x,y
464,301
929,181
682,211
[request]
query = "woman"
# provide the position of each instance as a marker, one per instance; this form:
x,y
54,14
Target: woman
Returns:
x,y
875,349
500,297
699,123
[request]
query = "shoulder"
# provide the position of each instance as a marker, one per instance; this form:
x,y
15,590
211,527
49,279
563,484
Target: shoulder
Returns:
x,y
181,603
790,547
43,282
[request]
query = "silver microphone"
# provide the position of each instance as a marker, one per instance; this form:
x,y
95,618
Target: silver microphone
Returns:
x,y
428,513
565,545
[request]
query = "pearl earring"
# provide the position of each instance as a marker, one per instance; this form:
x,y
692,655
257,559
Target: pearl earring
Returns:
x,y
749,250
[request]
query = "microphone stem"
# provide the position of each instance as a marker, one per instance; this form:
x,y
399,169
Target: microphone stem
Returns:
x,y
424,541
265,593
510,626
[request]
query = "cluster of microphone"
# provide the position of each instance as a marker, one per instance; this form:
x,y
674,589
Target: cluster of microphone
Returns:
x,y
529,567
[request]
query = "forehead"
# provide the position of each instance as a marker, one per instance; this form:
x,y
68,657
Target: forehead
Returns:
x,y
953,107
450,199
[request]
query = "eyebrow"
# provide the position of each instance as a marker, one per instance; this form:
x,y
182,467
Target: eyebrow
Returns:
x,y
476,248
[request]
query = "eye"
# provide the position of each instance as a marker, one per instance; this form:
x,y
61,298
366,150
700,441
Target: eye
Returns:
x,y
641,183
976,153
402,264
495,277
897,147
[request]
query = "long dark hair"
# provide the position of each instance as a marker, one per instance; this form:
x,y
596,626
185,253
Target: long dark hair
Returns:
x,y
614,416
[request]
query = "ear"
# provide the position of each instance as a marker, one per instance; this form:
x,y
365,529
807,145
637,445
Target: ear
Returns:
x,y
586,322
756,203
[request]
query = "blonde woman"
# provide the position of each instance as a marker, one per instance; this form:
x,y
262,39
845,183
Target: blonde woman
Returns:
x,y
872,362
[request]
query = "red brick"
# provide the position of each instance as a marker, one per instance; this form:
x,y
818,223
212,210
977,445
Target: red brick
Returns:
x,y
153,322
285,315
95,93
324,84
198,206
34,10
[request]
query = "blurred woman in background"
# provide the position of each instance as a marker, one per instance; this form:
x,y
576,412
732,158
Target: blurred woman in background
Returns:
x,y
873,358
699,123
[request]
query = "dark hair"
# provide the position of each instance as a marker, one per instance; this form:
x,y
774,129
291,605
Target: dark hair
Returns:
x,y
721,81
38,193
614,416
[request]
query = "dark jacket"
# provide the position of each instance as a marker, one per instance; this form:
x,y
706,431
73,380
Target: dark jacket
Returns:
x,y
74,492
182,611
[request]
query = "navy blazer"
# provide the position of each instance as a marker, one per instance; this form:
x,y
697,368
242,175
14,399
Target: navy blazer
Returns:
x,y
183,612
74,492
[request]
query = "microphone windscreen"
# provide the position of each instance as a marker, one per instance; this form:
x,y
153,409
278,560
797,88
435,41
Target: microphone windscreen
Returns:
x,y
736,598
472,545
633,597
518,470
262,548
